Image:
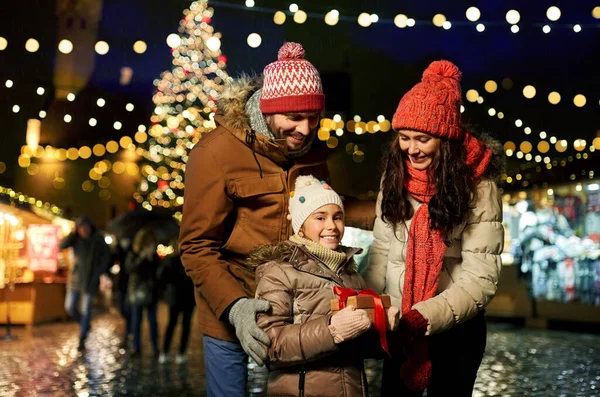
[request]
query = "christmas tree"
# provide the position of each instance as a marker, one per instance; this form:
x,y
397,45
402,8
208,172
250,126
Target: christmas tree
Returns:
x,y
185,102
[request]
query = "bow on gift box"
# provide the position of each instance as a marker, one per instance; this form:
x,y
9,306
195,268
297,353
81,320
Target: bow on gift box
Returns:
x,y
379,312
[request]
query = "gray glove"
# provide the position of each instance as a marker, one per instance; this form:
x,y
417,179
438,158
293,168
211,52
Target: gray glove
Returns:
x,y
242,316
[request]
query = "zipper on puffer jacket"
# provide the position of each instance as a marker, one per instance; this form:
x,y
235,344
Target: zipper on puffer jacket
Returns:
x,y
301,381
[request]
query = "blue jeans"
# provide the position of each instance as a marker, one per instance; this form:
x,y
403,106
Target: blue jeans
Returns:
x,y
136,322
226,367
83,317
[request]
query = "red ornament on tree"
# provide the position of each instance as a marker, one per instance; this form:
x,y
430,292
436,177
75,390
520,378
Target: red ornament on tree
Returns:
x,y
206,19
222,58
163,185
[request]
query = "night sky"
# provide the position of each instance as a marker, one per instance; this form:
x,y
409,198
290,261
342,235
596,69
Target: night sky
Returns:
x,y
365,70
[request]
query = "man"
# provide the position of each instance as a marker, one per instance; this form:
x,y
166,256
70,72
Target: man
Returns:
x,y
238,180
92,259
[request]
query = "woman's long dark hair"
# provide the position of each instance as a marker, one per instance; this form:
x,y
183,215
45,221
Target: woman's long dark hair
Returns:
x,y
453,181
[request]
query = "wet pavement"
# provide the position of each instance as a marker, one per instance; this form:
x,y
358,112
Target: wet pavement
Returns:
x,y
44,361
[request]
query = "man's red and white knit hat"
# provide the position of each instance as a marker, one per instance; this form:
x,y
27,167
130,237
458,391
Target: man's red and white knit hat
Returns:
x,y
291,84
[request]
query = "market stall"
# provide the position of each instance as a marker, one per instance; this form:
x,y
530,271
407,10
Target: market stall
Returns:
x,y
552,255
32,281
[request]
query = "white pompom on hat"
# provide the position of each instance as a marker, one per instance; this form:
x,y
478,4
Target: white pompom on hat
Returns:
x,y
309,195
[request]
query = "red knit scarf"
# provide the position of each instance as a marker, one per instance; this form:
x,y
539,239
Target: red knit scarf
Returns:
x,y
425,247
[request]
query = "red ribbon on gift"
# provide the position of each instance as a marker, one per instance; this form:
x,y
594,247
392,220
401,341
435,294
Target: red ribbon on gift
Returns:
x,y
379,316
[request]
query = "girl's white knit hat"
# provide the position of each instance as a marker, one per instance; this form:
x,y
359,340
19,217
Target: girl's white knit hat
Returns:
x,y
309,195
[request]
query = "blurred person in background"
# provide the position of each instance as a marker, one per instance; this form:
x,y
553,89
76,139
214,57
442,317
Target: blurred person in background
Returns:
x,y
142,264
179,296
92,259
122,250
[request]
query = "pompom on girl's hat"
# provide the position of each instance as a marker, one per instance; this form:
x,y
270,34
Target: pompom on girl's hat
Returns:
x,y
433,105
309,195
291,84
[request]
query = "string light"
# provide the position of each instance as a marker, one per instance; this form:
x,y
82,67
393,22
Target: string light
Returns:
x,y
254,40
139,47
65,46
47,208
32,45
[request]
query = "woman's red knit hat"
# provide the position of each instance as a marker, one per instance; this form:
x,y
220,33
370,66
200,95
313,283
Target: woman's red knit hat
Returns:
x,y
433,105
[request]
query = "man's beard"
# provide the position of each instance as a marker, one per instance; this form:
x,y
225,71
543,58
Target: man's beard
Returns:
x,y
307,144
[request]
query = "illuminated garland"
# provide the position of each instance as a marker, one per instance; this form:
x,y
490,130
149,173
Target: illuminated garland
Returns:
x,y
50,209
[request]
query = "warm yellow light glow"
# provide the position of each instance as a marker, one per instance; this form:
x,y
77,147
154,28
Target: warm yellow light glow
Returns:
x,y
554,97
438,20
332,142
254,40
65,46
102,47
140,137
323,134
473,14
529,91
513,17
3,43
553,13
32,137
213,43
99,150
596,12
279,18
140,47
125,142
332,18
173,40
401,21
472,95
112,146
525,147
118,167
491,86
510,146
543,147
300,17
32,45
579,100
364,20
72,154
85,152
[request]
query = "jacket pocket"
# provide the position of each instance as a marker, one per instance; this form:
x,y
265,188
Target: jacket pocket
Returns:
x,y
260,213
251,186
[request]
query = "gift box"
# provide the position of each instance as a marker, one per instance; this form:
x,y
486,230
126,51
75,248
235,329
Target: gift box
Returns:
x,y
365,302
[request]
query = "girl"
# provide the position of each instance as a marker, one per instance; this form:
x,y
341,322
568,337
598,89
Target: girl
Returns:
x,y
312,351
438,238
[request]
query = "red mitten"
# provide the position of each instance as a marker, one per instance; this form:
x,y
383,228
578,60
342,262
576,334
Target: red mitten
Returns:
x,y
416,370
412,324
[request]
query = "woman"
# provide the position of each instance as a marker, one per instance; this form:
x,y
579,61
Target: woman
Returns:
x,y
142,265
438,239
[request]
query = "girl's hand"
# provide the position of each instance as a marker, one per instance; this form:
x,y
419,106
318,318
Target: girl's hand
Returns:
x,y
349,323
